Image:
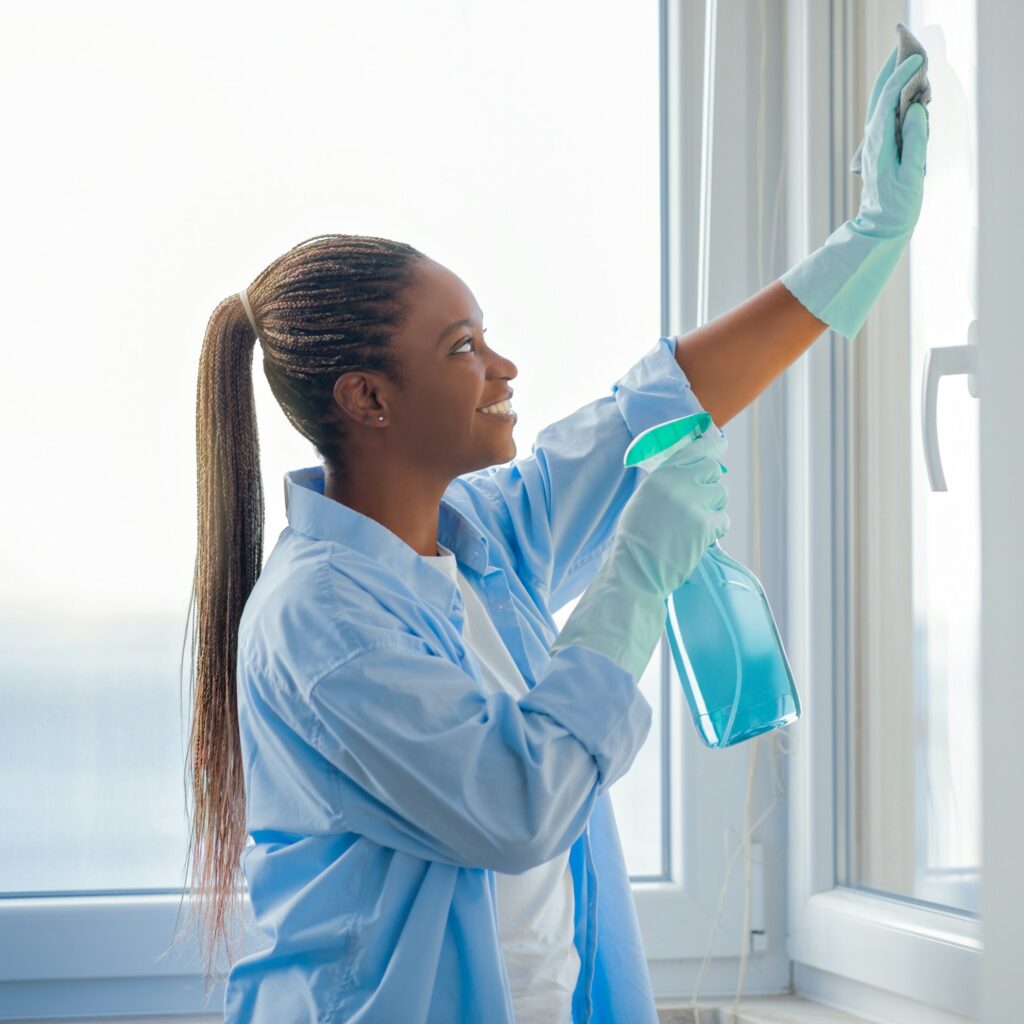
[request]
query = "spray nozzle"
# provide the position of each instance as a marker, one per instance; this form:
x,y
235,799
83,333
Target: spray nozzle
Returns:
x,y
652,446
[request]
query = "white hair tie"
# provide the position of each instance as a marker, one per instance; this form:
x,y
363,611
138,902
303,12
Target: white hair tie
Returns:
x,y
244,296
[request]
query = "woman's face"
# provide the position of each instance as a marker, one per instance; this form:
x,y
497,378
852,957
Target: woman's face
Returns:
x,y
434,423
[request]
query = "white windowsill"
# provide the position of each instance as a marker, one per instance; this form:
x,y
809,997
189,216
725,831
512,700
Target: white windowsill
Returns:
x,y
765,1010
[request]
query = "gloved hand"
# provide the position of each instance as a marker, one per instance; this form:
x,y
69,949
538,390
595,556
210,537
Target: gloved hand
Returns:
x,y
841,281
676,512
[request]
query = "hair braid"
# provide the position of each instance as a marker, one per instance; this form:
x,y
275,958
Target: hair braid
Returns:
x,y
328,306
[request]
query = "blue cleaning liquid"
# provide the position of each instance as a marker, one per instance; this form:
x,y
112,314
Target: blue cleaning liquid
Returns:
x,y
721,630
728,653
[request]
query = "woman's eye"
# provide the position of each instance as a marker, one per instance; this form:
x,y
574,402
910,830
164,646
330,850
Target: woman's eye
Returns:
x,y
467,341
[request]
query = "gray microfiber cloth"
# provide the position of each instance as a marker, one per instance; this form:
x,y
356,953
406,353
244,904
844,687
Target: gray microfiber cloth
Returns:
x,y
917,90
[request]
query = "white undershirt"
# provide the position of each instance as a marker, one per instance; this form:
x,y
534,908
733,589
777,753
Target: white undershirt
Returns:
x,y
535,908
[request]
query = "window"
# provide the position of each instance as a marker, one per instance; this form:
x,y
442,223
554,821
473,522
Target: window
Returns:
x,y
912,819
97,588
161,176
885,866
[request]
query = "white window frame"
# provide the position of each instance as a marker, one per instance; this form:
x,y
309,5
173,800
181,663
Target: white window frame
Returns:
x,y
882,956
1001,216
677,916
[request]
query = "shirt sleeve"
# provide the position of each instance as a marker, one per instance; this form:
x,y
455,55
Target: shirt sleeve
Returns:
x,y
557,508
427,764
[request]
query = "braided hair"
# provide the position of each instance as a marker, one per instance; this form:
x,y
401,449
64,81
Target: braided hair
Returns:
x,y
330,305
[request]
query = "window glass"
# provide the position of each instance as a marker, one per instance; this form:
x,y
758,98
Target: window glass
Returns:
x,y
914,811
162,162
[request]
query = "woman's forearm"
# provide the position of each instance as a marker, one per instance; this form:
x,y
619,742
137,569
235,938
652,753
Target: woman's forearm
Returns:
x,y
733,358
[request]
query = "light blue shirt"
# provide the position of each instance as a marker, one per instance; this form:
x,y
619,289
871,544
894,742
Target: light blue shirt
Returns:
x,y
384,786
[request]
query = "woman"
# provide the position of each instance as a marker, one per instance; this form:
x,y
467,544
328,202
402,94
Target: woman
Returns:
x,y
385,706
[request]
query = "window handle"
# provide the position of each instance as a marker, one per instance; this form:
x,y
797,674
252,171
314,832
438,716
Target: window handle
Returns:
x,y
943,362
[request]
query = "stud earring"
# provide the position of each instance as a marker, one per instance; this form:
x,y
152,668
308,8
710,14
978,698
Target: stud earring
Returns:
x,y
380,417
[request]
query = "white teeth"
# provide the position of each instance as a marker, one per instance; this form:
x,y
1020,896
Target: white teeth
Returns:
x,y
501,407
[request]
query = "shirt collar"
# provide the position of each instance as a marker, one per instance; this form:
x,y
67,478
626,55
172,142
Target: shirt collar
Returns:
x,y
323,518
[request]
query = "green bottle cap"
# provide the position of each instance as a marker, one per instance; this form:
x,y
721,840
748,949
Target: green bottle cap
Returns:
x,y
662,438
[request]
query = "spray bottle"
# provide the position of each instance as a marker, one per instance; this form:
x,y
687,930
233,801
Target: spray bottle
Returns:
x,y
721,630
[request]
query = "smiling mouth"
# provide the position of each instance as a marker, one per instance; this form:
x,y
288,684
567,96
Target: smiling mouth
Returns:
x,y
504,405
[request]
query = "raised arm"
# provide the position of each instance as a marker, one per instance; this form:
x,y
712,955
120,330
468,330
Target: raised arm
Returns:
x,y
733,358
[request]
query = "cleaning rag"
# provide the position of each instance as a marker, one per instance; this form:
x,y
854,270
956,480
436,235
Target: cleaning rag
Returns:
x,y
917,90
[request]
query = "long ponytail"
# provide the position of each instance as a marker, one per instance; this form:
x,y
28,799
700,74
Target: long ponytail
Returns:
x,y
229,556
328,306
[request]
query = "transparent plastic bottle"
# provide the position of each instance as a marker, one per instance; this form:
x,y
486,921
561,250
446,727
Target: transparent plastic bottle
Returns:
x,y
721,630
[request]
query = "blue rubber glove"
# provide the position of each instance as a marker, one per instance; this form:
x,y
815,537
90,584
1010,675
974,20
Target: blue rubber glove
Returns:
x,y
675,514
841,281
